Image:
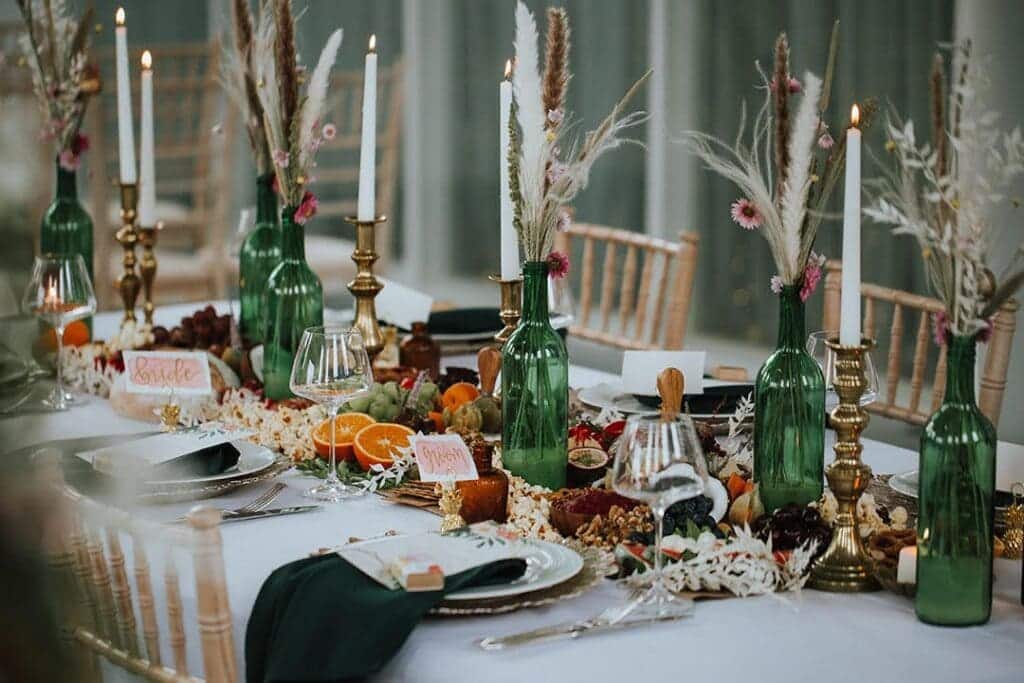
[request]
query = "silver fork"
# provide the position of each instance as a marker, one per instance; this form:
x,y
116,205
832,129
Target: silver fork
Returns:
x,y
258,503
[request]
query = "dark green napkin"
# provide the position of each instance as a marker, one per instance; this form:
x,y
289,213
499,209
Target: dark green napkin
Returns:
x,y
321,619
465,321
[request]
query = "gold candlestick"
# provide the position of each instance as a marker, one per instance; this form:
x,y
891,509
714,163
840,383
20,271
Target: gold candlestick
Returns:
x,y
365,286
128,283
845,567
511,306
147,267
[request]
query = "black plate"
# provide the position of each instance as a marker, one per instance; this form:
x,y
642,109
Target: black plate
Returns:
x,y
720,400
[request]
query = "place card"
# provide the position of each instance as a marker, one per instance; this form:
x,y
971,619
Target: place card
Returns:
x,y
443,457
184,373
640,370
402,306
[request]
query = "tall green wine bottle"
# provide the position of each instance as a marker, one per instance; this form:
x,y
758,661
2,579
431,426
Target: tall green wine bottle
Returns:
x,y
789,415
294,301
956,486
260,255
535,389
66,229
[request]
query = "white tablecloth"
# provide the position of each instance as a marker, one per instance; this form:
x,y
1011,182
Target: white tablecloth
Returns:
x,y
806,636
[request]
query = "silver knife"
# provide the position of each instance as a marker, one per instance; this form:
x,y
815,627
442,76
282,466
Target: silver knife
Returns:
x,y
231,516
571,630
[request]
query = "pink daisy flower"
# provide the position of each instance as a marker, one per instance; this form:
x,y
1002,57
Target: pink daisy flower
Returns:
x,y
330,131
745,213
558,265
825,141
776,284
307,208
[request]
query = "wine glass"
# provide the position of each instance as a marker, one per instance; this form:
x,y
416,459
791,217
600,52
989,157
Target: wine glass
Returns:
x,y
826,358
59,293
331,367
659,461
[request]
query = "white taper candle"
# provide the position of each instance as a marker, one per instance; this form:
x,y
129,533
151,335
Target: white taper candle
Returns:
x,y
125,129
849,316
147,172
509,240
368,150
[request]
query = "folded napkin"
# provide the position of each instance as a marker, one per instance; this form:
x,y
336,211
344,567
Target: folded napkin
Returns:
x,y
321,619
465,321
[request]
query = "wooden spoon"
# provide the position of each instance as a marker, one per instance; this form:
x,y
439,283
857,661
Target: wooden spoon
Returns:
x,y
488,361
670,387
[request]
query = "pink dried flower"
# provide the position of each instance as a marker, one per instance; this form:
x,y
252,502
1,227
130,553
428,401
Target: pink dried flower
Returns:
x,y
555,116
825,141
281,158
812,276
274,185
307,208
68,160
80,143
556,170
558,265
941,328
776,284
792,84
330,131
745,213
564,221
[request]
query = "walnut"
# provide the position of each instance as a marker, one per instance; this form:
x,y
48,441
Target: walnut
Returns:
x,y
608,531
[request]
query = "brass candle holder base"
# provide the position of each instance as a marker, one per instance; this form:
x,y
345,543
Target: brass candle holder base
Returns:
x,y
845,566
147,267
365,286
128,283
511,306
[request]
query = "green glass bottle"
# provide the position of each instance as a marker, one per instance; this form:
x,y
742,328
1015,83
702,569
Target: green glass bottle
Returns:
x,y
67,228
294,301
956,486
260,254
535,389
789,415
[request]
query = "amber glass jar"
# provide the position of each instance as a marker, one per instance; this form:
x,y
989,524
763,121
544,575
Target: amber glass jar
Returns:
x,y
419,351
487,497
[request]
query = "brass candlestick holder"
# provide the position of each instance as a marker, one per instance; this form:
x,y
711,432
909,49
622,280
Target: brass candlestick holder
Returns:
x,y
365,286
511,306
147,267
128,283
845,567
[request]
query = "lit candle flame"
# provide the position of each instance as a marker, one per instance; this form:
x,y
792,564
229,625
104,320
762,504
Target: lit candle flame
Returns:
x,y
51,299
119,16
508,69
854,115
373,43
147,60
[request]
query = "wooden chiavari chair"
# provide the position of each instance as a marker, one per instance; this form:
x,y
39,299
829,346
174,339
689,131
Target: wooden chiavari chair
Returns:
x,y
329,241
85,549
193,143
916,312
652,289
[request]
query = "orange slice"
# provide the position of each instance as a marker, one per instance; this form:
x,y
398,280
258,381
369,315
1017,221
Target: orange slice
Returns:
x,y
378,444
346,426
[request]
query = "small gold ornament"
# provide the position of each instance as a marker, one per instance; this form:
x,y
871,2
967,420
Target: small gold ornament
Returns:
x,y
1013,537
451,506
170,415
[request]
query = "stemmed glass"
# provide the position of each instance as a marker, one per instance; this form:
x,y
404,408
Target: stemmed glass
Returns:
x,y
819,350
59,293
659,461
331,367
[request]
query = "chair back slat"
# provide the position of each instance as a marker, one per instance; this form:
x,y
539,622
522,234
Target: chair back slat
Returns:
x,y
892,375
102,592
144,586
125,613
627,298
648,311
906,406
175,622
920,361
607,284
212,591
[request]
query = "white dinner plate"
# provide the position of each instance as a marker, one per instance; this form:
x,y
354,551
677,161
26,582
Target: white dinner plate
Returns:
x,y
547,564
905,483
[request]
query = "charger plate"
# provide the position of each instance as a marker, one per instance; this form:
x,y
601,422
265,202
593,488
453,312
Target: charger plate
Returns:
x,y
596,565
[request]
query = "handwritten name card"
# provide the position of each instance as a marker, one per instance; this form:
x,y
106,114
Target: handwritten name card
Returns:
x,y
186,373
443,457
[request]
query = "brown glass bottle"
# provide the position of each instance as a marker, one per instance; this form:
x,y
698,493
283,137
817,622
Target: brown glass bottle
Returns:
x,y
419,351
487,497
